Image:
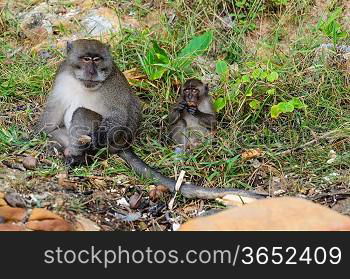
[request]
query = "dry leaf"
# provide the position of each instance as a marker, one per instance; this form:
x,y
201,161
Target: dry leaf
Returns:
x,y
84,139
158,192
100,183
64,182
135,201
133,75
251,154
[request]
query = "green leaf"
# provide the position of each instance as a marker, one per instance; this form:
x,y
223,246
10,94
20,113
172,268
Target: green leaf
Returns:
x,y
286,107
222,68
219,104
245,79
263,75
157,74
271,91
197,46
249,92
297,103
255,104
275,111
256,73
273,76
160,54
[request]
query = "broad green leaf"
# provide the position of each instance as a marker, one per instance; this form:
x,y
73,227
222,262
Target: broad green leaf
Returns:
x,y
222,68
245,79
273,76
249,92
255,104
286,106
271,91
257,73
219,104
263,75
160,54
157,74
297,103
275,111
197,46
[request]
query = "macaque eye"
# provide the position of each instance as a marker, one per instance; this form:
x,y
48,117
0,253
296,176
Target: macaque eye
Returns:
x,y
97,59
195,91
187,91
86,59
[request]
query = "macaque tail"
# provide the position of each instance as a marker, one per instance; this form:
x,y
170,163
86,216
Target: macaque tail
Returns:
x,y
187,190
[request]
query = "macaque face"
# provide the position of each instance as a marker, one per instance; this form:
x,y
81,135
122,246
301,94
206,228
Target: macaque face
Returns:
x,y
91,62
191,96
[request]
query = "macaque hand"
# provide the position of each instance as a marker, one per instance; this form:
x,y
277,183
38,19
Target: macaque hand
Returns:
x,y
192,110
182,105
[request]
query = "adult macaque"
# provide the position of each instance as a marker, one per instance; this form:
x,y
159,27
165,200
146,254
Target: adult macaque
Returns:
x,y
193,117
91,99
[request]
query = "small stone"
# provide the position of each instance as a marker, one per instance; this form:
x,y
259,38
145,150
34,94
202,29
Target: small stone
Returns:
x,y
30,163
15,200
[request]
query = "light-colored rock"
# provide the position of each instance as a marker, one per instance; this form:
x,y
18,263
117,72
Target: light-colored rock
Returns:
x,y
290,214
101,21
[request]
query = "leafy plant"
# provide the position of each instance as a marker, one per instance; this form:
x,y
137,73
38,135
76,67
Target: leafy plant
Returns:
x,y
158,62
285,107
256,87
332,28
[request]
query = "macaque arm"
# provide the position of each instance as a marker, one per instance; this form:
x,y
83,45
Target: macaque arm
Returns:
x,y
51,118
206,119
176,112
174,117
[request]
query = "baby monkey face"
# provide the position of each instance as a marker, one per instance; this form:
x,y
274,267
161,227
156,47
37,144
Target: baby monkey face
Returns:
x,y
191,96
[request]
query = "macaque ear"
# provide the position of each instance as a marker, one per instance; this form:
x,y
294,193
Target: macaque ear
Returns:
x,y
69,46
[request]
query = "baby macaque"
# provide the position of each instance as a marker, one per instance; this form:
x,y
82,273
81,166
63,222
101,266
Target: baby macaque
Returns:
x,y
192,118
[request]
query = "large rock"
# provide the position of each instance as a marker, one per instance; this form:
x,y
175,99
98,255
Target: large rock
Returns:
x,y
290,214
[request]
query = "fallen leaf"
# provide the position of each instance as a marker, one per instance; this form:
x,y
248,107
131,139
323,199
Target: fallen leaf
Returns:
x,y
64,182
100,183
158,192
251,154
133,75
135,201
84,139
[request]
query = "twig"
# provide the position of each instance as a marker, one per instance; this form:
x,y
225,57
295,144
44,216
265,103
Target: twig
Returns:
x,y
177,188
